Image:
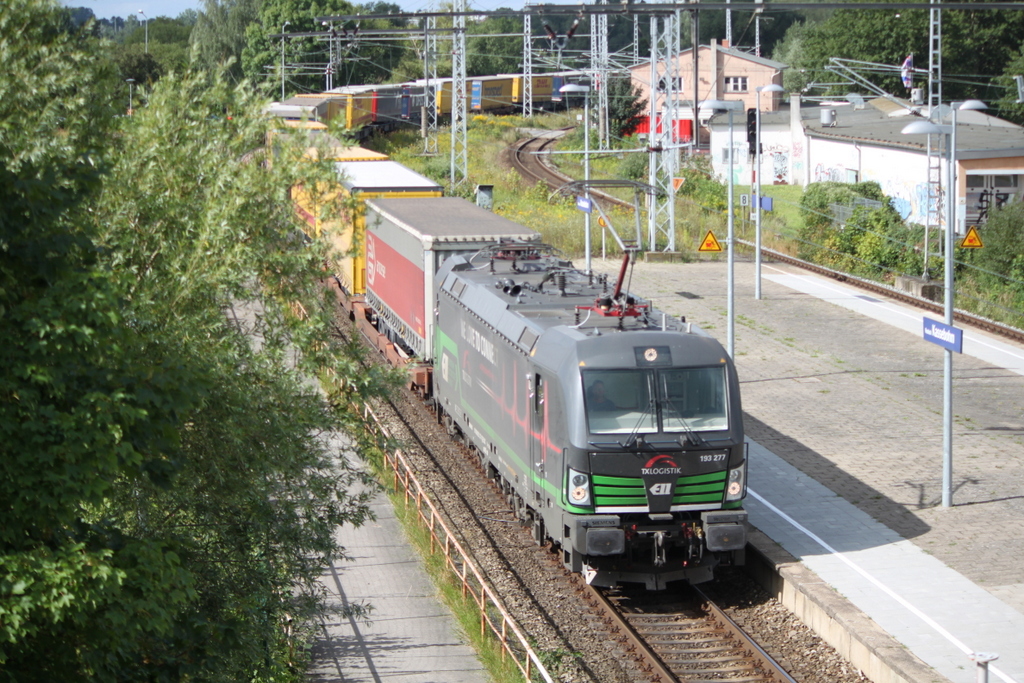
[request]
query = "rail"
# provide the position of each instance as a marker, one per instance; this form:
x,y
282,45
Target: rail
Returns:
x,y
960,315
458,561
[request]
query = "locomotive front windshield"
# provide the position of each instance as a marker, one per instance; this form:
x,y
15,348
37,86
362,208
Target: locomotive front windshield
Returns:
x,y
648,401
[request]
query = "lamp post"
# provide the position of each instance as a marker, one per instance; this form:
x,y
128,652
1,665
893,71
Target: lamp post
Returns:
x,y
772,88
929,128
329,73
282,58
130,82
729,106
146,24
585,89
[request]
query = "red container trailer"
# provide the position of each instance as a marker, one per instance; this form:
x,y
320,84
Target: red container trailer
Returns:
x,y
407,240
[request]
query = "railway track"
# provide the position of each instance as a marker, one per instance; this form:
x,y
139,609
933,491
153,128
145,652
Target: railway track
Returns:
x,y
528,158
685,636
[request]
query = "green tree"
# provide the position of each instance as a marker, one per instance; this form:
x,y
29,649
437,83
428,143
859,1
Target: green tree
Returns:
x,y
168,487
218,36
625,106
77,412
168,48
490,52
358,59
1003,253
138,65
977,44
1007,105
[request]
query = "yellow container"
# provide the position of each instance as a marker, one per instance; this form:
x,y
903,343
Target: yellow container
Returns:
x,y
359,180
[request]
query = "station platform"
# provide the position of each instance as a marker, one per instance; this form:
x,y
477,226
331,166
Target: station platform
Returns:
x,y
409,636
843,408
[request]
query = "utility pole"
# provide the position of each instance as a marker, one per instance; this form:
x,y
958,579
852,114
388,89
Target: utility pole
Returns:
x,y
460,139
664,151
527,62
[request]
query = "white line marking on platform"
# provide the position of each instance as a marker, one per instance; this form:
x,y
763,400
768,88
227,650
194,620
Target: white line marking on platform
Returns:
x,y
881,586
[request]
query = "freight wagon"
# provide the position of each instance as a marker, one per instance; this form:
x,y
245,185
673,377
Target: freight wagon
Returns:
x,y
407,240
360,180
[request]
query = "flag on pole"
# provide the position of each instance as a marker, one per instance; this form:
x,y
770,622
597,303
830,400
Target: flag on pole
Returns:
x,y
907,71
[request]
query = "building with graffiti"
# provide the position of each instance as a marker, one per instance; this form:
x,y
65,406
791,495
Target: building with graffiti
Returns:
x,y
863,141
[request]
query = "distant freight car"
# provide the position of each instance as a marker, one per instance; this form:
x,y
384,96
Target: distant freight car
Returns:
x,y
542,89
491,93
389,104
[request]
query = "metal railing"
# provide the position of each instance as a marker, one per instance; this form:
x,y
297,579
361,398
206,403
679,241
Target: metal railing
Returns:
x,y
459,562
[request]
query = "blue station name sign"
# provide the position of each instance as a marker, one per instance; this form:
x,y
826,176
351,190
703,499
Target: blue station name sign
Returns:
x,y
584,204
944,335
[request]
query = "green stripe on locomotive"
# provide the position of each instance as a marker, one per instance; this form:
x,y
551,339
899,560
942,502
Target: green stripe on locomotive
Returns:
x,y
445,342
696,489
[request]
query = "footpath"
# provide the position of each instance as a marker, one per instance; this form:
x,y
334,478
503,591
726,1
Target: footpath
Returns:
x,y
409,635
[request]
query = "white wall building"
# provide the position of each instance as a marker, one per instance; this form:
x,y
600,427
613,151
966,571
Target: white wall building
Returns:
x,y
852,143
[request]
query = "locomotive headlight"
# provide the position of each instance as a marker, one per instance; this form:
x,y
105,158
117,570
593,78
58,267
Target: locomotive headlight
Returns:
x,y
578,488
737,483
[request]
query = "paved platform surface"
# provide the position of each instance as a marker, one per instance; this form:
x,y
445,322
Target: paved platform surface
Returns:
x,y
843,406
410,637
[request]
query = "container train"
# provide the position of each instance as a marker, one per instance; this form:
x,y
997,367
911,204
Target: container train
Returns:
x,y
614,430
368,109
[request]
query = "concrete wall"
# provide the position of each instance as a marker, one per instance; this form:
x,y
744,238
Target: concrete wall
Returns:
x,y
776,158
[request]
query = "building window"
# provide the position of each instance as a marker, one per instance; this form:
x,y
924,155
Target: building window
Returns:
x,y
677,84
735,84
736,152
986,193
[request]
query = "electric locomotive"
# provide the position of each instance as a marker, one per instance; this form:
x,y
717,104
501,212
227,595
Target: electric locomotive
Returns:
x,y
615,430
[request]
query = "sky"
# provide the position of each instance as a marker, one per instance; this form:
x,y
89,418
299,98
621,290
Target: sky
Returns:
x,y
105,9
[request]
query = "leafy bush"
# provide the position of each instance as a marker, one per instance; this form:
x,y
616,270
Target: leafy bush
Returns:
x,y
819,228
634,166
700,185
1003,237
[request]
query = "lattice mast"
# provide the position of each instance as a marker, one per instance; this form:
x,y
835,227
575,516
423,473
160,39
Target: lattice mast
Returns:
x,y
600,67
664,151
934,215
527,62
460,139
429,118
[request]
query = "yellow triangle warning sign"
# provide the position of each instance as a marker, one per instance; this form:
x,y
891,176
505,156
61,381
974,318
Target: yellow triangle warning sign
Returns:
x,y
709,243
972,240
